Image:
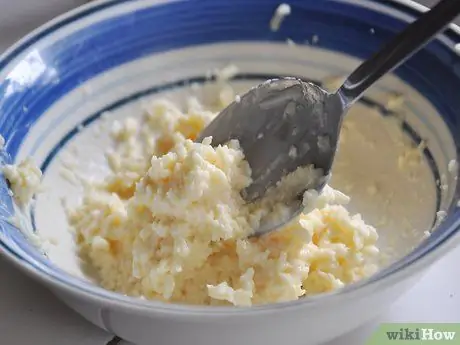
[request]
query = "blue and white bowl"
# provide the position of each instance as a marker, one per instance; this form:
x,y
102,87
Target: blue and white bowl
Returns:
x,y
107,56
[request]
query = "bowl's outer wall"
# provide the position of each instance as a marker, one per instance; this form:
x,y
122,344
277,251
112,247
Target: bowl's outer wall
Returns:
x,y
310,326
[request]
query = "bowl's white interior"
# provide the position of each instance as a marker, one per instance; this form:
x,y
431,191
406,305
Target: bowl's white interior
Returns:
x,y
400,204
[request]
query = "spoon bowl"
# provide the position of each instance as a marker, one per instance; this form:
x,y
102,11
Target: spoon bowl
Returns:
x,y
281,125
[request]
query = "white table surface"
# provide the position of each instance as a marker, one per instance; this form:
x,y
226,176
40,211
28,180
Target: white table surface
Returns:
x,y
29,314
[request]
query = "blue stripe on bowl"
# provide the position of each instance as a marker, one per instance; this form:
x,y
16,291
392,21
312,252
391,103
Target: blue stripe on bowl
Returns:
x,y
181,24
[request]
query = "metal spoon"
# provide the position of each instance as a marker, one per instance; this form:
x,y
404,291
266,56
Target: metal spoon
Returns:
x,y
287,115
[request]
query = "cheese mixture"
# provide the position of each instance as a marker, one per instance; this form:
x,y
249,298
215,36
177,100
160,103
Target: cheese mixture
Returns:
x,y
24,180
169,223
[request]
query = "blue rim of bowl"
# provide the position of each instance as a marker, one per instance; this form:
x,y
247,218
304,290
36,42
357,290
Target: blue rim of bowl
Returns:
x,y
58,277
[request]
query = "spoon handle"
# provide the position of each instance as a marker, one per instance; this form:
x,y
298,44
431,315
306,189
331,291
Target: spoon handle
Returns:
x,y
398,50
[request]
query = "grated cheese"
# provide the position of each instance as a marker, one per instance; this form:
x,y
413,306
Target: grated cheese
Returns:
x,y
173,226
281,12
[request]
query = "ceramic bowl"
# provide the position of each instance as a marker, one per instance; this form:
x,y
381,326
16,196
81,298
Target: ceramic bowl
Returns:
x,y
104,58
